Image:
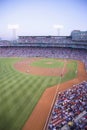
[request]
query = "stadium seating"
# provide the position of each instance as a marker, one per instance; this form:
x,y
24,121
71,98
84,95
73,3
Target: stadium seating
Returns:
x,y
70,109
77,54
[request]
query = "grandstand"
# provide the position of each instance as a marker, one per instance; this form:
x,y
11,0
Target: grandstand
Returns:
x,y
47,46
70,109
77,39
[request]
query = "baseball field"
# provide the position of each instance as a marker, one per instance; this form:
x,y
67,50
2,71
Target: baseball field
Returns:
x,y
23,83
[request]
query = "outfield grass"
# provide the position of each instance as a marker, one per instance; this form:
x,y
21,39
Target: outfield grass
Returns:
x,y
19,92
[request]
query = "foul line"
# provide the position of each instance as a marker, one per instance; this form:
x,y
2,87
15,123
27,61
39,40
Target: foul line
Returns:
x,y
52,105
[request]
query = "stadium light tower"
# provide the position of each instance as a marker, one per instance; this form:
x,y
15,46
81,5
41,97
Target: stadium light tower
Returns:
x,y
14,29
58,28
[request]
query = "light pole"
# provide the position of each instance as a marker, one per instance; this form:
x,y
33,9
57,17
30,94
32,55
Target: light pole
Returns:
x,y
58,28
14,29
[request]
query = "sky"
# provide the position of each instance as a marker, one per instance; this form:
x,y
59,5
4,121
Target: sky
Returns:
x,y
38,17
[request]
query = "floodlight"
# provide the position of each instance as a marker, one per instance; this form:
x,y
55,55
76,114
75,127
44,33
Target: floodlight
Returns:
x,y
14,26
58,27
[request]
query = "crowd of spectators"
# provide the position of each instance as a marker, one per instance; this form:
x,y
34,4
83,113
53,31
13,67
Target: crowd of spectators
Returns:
x,y
5,43
44,39
47,39
70,109
77,54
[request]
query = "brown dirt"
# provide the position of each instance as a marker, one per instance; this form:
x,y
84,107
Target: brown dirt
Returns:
x,y
25,67
49,63
40,114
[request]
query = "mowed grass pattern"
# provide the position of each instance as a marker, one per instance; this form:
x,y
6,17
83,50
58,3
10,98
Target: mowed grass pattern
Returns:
x,y
19,93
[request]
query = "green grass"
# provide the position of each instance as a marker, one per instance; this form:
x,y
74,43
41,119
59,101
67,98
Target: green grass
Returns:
x,y
19,92
72,67
45,63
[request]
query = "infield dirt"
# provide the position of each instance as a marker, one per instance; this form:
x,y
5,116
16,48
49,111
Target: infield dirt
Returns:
x,y
26,67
